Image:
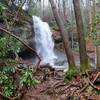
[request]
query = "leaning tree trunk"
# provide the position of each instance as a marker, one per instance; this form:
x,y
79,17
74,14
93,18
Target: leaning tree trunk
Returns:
x,y
64,34
80,30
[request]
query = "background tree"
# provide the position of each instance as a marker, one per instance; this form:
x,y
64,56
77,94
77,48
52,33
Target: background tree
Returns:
x,y
64,34
65,9
81,38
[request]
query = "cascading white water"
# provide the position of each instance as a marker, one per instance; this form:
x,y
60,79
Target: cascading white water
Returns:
x,y
25,7
44,41
17,2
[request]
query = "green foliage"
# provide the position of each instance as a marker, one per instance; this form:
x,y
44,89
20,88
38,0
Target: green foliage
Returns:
x,y
9,69
71,74
96,29
27,78
8,44
96,92
2,8
7,80
12,81
84,68
6,83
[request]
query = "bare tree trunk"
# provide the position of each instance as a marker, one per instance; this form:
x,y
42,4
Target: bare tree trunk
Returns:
x,y
98,56
57,3
94,5
43,7
90,19
59,6
65,9
64,34
72,27
80,30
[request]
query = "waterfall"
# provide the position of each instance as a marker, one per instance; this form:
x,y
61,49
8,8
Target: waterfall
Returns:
x,y
17,2
44,41
25,7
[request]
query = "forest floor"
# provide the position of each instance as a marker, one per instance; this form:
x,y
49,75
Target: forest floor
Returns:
x,y
53,87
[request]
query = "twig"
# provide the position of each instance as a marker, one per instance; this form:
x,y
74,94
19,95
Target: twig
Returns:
x,y
18,38
95,87
61,91
57,83
96,76
72,94
84,88
18,12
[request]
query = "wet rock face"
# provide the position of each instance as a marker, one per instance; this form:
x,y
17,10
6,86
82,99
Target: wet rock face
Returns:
x,y
29,39
58,39
26,54
24,30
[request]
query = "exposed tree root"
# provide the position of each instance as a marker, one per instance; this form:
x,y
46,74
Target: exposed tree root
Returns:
x,y
80,88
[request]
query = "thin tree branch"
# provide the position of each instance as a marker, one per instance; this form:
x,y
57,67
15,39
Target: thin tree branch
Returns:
x,y
19,39
96,76
95,87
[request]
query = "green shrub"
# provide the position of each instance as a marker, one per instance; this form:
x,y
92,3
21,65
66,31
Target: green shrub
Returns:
x,y
9,71
71,74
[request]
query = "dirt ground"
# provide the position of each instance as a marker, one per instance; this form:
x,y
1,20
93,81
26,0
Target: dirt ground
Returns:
x,y
54,88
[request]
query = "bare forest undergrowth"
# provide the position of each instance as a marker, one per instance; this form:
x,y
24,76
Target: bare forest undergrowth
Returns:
x,y
52,87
